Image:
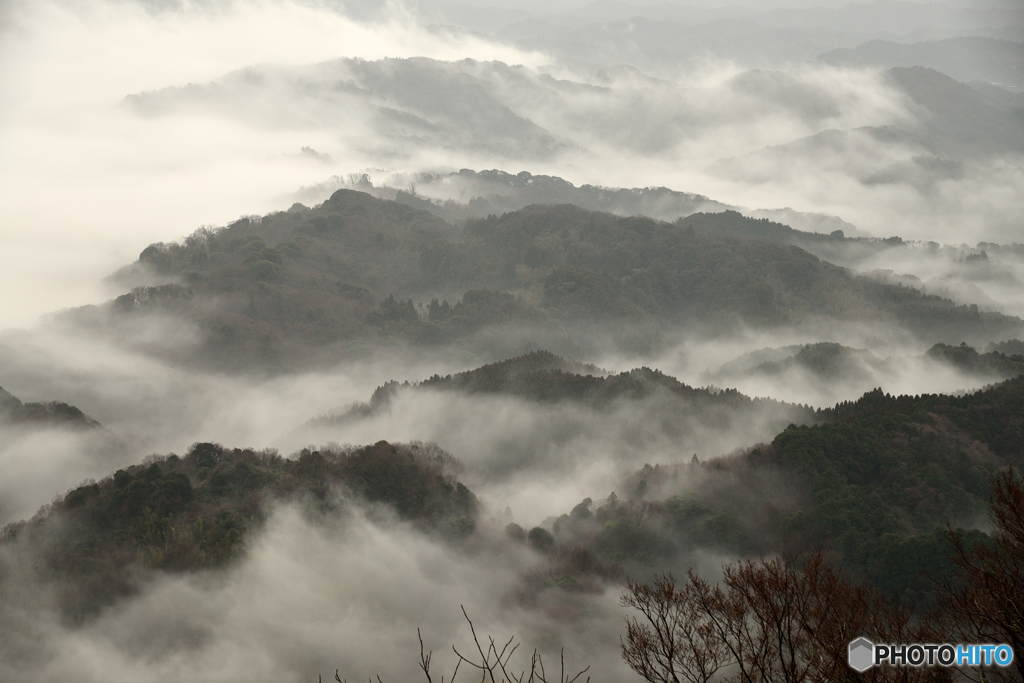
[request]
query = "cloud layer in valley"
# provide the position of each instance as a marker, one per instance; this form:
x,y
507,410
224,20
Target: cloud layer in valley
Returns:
x,y
309,598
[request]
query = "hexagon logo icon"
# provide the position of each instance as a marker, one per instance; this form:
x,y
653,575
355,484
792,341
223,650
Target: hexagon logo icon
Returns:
x,y
862,654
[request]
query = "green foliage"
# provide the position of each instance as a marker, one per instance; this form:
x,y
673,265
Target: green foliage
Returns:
x,y
885,473
515,532
540,539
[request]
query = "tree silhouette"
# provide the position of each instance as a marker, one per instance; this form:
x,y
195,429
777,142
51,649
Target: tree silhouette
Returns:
x,y
985,602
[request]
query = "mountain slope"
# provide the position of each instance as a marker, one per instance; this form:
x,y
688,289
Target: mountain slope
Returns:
x,y
305,285
962,123
495,192
876,482
543,377
966,58
55,413
103,539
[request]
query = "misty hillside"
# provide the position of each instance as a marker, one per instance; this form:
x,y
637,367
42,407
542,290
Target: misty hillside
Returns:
x,y
962,122
403,108
955,124
102,540
876,483
671,407
51,413
965,58
829,361
467,194
984,275
296,286
409,103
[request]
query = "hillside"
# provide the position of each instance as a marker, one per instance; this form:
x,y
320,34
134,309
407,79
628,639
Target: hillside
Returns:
x,y
830,362
541,377
299,287
52,413
101,540
470,194
963,123
952,128
966,58
875,482
398,98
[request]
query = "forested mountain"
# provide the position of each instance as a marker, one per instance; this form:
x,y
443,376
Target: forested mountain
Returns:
x,y
472,194
51,413
875,482
984,274
102,540
545,378
829,361
308,284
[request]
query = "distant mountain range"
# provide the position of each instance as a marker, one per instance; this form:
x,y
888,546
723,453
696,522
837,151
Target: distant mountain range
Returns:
x,y
958,124
661,36
394,110
998,62
832,362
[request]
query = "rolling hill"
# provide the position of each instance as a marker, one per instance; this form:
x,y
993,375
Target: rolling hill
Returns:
x,y
306,285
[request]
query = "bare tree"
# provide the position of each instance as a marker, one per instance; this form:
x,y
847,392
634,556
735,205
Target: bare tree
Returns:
x,y
676,641
770,620
641,510
494,665
985,602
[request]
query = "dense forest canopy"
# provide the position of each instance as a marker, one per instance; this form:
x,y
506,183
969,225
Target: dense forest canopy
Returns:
x,y
304,285
875,482
101,540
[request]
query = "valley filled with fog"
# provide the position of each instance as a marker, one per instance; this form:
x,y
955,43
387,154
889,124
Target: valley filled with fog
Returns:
x,y
322,319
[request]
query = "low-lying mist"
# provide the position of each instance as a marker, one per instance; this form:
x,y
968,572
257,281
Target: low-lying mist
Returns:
x,y
309,597
541,459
